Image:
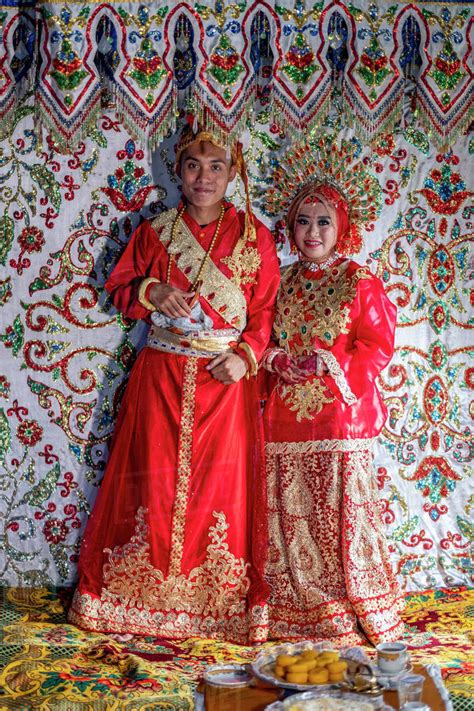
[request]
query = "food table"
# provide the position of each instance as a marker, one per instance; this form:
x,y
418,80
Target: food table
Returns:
x,y
260,694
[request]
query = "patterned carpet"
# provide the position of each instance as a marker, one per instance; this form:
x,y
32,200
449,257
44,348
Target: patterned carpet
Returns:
x,y
48,664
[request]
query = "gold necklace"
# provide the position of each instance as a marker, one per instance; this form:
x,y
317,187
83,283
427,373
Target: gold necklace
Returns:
x,y
209,250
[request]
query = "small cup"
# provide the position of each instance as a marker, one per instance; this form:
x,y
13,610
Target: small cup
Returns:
x,y
409,689
392,657
228,675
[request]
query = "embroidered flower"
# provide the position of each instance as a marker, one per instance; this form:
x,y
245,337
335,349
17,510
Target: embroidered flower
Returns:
x,y
4,387
29,432
31,240
55,530
386,145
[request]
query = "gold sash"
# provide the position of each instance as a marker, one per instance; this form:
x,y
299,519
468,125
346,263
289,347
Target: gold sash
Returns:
x,y
194,343
219,291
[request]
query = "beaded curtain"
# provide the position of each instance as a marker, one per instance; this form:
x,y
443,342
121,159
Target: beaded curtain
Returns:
x,y
71,200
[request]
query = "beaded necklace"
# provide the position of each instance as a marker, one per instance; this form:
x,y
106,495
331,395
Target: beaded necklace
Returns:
x,y
209,250
315,266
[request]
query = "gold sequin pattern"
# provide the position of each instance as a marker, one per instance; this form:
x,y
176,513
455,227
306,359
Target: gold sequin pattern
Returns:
x,y
220,292
244,262
324,301
185,453
305,399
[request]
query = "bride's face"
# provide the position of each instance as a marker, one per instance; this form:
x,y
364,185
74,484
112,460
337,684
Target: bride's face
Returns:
x,y
315,231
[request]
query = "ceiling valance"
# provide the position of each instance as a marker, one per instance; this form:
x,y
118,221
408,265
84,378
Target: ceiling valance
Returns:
x,y
377,66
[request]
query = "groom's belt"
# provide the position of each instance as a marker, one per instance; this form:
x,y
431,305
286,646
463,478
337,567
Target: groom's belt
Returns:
x,y
201,344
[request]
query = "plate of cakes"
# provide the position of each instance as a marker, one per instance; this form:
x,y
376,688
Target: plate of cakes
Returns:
x,y
306,665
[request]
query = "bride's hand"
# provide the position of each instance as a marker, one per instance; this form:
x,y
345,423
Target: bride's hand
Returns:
x,y
285,367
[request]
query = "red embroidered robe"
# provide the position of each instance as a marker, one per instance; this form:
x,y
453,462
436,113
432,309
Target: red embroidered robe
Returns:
x,y
328,566
173,546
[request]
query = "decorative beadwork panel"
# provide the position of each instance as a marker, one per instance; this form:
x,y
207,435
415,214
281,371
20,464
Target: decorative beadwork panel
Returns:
x,y
383,64
64,219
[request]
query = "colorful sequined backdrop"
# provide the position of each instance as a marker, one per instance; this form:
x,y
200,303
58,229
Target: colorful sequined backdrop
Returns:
x,y
87,91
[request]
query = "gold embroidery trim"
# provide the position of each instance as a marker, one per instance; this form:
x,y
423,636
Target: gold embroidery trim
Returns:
x,y
337,374
218,586
329,310
321,445
306,399
184,344
142,293
220,292
185,453
92,613
244,262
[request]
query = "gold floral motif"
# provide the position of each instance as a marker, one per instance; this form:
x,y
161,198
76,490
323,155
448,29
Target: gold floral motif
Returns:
x,y
328,564
325,303
98,614
185,452
217,587
243,263
306,399
220,292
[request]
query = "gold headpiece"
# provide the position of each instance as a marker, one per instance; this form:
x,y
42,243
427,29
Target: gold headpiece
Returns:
x,y
193,133
322,161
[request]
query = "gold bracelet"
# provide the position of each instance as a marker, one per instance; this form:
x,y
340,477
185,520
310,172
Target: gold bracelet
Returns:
x,y
253,364
142,291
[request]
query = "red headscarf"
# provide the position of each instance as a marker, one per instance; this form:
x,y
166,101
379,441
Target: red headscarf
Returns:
x,y
348,239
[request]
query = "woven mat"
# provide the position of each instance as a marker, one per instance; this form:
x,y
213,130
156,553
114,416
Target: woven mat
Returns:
x,y
49,664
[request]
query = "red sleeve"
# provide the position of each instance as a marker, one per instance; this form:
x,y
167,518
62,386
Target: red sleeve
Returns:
x,y
369,345
143,257
260,310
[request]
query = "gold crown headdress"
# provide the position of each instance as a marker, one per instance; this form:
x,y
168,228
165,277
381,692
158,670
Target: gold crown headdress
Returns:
x,y
323,161
193,133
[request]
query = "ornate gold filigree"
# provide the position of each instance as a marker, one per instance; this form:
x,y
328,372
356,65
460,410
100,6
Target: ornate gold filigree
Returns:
x,y
306,399
325,303
244,262
216,587
220,292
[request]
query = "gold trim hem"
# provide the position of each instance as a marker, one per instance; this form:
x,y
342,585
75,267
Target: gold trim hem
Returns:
x,y
322,445
92,613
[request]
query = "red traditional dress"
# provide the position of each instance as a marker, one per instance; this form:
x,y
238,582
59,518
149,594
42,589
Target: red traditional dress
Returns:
x,y
328,565
172,547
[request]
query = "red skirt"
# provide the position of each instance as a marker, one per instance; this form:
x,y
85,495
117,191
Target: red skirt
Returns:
x,y
328,566
173,546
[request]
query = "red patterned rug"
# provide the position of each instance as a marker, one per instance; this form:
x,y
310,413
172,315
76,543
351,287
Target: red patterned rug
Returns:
x,y
49,664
